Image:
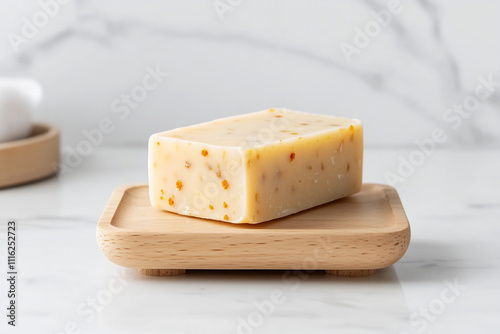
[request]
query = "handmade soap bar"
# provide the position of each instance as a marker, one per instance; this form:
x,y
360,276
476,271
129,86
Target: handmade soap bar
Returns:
x,y
255,167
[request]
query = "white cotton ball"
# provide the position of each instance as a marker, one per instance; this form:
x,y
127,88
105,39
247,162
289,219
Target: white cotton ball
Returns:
x,y
18,98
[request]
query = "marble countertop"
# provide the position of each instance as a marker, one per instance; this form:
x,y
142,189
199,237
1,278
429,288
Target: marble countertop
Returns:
x,y
446,283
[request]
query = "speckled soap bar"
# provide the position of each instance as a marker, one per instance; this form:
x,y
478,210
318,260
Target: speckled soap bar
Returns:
x,y
255,167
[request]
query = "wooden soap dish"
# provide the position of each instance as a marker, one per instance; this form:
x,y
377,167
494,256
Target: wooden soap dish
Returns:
x,y
31,158
352,236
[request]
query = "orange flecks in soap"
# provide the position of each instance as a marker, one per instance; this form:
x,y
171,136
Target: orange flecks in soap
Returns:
x,y
219,173
225,184
178,184
170,201
204,153
351,127
158,143
225,205
211,207
294,133
256,197
187,164
271,110
279,116
162,192
292,156
161,197
226,217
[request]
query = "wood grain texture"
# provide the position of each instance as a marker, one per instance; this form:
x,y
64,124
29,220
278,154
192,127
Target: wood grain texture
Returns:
x,y
365,231
30,159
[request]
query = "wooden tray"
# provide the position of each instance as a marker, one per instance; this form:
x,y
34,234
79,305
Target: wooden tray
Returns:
x,y
31,158
349,237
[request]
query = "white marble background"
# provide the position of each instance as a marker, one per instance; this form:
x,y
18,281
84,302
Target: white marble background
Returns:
x,y
256,55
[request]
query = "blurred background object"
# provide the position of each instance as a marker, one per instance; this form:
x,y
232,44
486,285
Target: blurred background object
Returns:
x,y
18,98
29,150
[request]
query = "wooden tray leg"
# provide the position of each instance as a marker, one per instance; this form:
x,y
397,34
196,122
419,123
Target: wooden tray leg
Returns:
x,y
162,272
351,273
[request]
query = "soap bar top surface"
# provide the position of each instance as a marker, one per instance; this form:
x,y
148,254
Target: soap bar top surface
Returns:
x,y
260,128
255,167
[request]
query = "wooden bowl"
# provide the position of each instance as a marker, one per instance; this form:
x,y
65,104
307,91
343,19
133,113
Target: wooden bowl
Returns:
x,y
31,158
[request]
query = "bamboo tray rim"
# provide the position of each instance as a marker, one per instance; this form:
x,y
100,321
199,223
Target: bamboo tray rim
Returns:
x,y
39,132
353,236
30,159
107,220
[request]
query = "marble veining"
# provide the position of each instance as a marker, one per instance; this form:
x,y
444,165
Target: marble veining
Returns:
x,y
420,77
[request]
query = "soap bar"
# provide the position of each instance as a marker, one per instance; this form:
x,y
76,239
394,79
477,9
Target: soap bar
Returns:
x,y
255,167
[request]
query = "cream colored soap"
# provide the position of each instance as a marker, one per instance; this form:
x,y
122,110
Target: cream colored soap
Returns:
x,y
255,167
